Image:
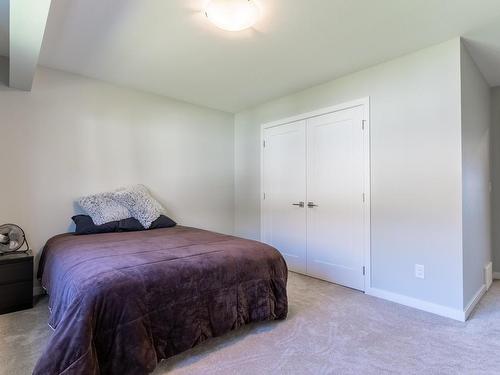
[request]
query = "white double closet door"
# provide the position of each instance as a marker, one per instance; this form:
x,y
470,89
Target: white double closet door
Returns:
x,y
313,208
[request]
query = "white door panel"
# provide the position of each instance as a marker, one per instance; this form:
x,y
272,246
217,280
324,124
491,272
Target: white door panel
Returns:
x,y
284,222
335,226
322,161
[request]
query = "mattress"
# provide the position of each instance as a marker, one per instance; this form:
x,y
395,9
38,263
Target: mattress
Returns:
x,y
121,302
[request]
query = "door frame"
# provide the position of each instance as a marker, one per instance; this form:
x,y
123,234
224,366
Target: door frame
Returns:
x,y
365,103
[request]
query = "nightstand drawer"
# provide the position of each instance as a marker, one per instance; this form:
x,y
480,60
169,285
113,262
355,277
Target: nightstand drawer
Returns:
x,y
16,272
15,297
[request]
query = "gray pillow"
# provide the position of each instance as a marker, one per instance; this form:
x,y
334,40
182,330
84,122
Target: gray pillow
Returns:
x,y
102,208
139,202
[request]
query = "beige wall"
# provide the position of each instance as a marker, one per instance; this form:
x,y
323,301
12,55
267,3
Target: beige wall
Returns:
x,y
72,136
415,168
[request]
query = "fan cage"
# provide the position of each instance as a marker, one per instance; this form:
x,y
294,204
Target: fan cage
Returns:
x,y
25,242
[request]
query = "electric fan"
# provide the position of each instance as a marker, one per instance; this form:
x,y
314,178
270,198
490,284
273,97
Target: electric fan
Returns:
x,y
12,239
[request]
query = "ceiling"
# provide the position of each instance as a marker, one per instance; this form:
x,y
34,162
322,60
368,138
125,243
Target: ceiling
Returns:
x,y
169,48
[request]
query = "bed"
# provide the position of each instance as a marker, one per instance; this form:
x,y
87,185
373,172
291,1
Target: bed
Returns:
x,y
121,302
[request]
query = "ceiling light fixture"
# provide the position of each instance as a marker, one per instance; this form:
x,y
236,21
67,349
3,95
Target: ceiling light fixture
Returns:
x,y
232,15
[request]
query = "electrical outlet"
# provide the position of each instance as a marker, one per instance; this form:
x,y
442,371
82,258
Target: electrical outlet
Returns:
x,y
419,271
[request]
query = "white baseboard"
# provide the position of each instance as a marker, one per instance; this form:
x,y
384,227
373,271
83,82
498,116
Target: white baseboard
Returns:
x,y
474,301
496,275
433,308
419,304
488,275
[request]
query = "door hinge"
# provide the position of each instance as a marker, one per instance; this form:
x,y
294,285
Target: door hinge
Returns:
x,y
364,198
264,144
264,197
364,271
363,124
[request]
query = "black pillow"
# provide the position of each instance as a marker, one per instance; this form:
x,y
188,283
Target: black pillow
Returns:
x,y
131,224
163,222
85,225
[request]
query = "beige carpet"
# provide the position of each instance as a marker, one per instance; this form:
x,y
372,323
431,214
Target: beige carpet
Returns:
x,y
330,330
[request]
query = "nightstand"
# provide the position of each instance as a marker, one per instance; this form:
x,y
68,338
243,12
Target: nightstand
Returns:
x,y
16,282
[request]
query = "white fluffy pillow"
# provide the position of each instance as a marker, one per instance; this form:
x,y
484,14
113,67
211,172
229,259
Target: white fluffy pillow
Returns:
x,y
102,208
139,202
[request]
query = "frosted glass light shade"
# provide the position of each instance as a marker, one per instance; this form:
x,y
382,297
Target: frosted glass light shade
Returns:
x,y
232,15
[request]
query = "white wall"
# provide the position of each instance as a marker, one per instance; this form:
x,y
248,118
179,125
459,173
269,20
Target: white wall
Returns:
x,y
415,161
476,208
72,136
495,175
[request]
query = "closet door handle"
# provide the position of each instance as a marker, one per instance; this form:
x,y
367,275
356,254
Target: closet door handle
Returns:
x,y
300,204
311,204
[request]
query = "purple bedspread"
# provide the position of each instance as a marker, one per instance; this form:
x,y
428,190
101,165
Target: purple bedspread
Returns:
x,y
121,302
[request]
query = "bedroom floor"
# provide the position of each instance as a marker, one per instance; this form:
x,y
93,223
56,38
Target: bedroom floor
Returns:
x,y
330,329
